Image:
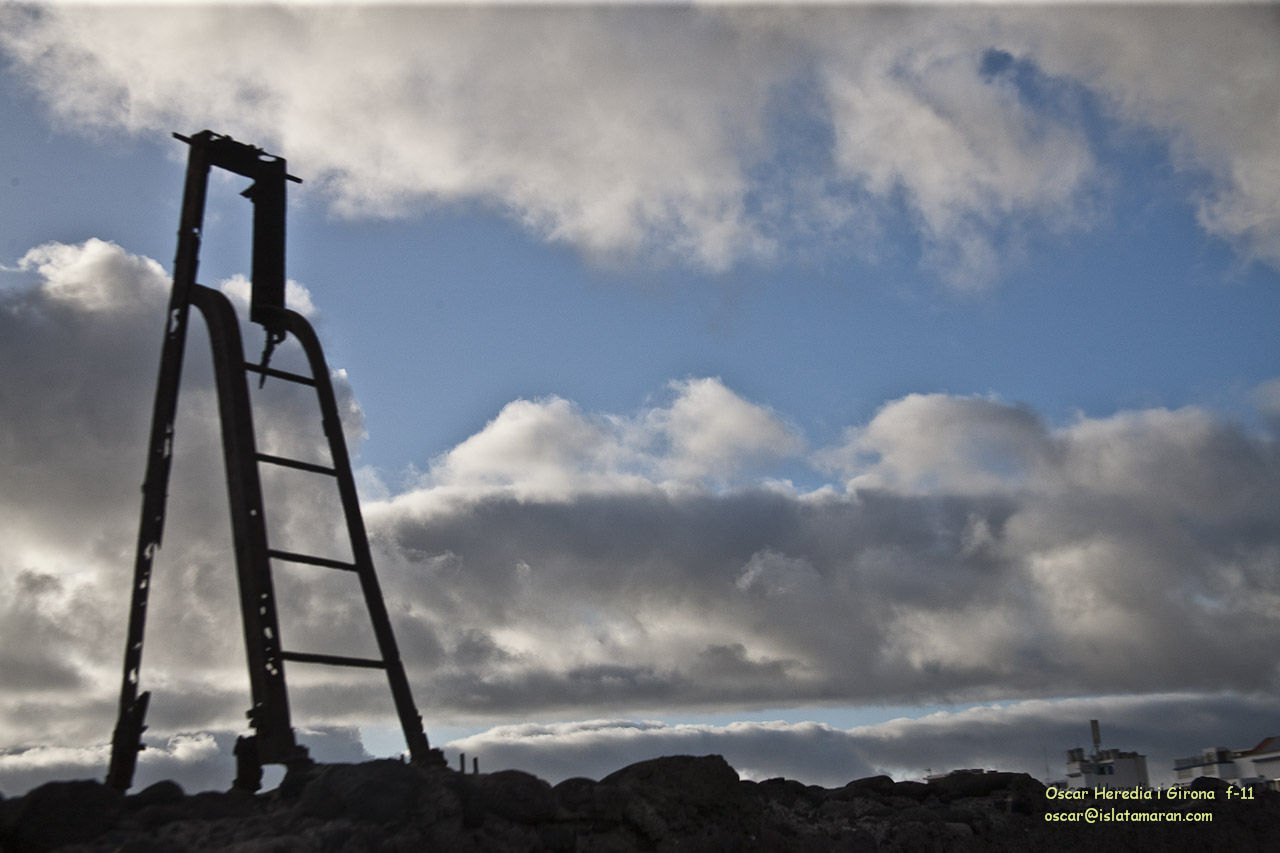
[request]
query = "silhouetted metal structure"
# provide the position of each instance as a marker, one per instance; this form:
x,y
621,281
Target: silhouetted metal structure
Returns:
x,y
273,741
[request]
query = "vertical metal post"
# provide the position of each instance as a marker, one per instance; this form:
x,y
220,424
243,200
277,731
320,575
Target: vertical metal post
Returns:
x,y
268,197
126,741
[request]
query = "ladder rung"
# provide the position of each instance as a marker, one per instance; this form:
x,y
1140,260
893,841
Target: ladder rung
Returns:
x,y
294,463
311,561
279,374
333,660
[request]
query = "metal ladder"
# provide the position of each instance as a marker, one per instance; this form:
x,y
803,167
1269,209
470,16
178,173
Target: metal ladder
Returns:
x,y
273,740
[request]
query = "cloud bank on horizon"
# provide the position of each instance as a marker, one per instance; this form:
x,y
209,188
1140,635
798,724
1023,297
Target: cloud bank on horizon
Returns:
x,y
1027,736
658,132
561,561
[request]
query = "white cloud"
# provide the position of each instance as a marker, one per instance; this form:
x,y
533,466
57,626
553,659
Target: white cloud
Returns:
x,y
936,442
711,431
549,449
296,295
95,275
912,113
655,131
545,445
1201,76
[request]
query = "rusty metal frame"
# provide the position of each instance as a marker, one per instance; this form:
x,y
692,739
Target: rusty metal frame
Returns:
x,y
273,741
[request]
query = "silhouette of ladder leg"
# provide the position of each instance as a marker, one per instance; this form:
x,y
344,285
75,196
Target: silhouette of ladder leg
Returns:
x,y
273,739
362,559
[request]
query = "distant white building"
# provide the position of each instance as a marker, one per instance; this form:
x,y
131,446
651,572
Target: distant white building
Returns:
x,y
1260,765
1105,768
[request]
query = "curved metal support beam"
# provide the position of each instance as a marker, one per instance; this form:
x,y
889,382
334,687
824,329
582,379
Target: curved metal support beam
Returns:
x,y
410,720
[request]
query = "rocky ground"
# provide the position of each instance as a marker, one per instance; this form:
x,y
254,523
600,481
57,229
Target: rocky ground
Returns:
x,y
675,803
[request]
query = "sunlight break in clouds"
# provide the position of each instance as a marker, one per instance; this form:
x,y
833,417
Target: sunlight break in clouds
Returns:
x,y
654,131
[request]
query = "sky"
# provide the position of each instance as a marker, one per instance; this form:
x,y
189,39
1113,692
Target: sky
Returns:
x,y
843,390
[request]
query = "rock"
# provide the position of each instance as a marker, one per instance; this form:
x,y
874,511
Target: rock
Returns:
x,y
438,798
162,793
918,814
58,813
147,845
158,815
270,845
954,815
856,841
1209,783
788,789
596,801
868,786
212,805
693,802
10,810
641,815
702,782
681,803
911,790
969,784
575,794
517,796
377,791
557,837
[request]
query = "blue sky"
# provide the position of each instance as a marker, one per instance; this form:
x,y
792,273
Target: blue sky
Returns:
x,y
685,348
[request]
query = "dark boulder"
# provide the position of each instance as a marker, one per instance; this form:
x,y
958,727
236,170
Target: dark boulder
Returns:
x,y
599,803
1022,793
575,794
787,790
868,787
703,783
918,814
377,791
694,802
1210,783
517,796
59,813
163,793
213,805
909,789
